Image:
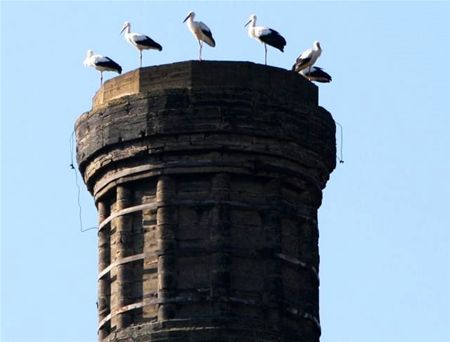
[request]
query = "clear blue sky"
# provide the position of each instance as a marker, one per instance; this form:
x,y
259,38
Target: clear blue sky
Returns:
x,y
384,223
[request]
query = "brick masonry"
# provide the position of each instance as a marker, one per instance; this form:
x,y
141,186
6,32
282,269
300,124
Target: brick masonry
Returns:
x,y
207,177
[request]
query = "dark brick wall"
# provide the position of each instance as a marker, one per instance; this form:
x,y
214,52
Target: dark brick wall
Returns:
x,y
207,177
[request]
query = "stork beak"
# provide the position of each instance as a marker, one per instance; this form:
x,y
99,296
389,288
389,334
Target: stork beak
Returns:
x,y
248,22
187,17
123,29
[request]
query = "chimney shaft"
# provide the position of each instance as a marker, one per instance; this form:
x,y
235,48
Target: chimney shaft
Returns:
x,y
207,178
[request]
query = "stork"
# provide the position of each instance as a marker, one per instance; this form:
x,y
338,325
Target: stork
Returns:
x,y
265,35
139,41
308,58
316,74
101,63
200,31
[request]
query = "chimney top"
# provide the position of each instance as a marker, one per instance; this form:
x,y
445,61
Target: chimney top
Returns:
x,y
208,74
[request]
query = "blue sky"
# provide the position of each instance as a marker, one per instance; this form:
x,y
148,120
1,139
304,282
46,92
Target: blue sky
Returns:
x,y
384,223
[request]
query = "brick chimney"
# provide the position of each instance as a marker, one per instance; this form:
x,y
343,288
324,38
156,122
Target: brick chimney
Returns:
x,y
207,177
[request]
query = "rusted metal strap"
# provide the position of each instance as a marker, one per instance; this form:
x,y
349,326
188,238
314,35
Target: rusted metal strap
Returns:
x,y
126,211
123,309
120,262
298,262
302,211
304,315
291,260
192,299
155,254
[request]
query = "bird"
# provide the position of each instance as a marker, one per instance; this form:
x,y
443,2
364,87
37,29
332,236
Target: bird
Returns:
x,y
139,41
265,35
308,58
101,63
316,74
200,31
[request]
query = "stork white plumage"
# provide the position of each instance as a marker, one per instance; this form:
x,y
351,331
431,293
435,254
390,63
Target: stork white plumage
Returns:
x,y
316,74
200,31
308,58
265,35
139,41
101,63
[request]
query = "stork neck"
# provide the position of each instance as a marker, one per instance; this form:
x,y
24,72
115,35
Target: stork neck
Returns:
x,y
251,28
190,21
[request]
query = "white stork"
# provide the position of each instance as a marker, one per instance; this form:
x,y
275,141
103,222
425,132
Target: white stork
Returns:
x,y
308,58
139,41
200,31
265,35
316,74
101,64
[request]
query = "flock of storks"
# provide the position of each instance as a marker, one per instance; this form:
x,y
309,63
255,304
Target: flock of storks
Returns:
x,y
304,64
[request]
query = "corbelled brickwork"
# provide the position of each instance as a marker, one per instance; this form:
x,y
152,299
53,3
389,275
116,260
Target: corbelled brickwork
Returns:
x,y
207,177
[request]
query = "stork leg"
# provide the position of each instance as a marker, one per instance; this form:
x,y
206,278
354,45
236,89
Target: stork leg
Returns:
x,y
140,58
265,54
101,78
201,46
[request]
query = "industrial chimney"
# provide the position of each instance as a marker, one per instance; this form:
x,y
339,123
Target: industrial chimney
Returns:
x,y
207,177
